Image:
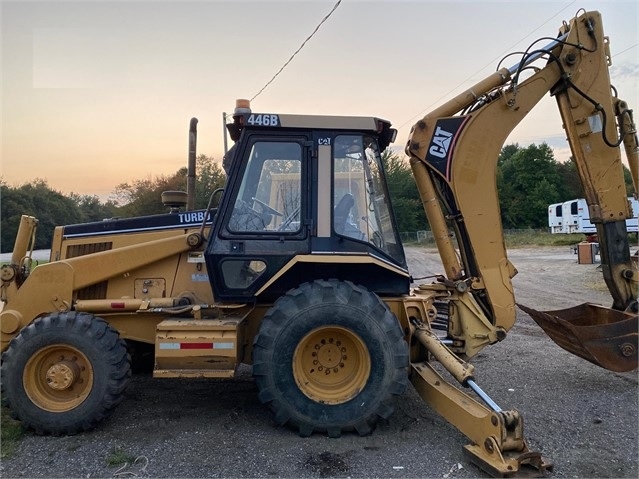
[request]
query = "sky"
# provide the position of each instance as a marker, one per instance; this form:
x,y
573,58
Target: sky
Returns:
x,y
95,93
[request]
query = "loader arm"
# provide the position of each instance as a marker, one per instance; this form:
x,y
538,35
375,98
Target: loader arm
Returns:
x,y
454,152
51,286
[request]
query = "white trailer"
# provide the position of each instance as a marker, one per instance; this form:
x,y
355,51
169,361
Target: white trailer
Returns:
x,y
574,217
555,218
577,217
633,223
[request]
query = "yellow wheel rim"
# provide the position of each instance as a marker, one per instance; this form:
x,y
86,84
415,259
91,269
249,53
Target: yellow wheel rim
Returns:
x,y
331,365
58,378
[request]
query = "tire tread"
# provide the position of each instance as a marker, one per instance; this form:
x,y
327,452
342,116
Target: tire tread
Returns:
x,y
111,349
317,294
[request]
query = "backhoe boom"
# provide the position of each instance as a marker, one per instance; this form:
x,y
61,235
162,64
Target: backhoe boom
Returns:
x,y
454,152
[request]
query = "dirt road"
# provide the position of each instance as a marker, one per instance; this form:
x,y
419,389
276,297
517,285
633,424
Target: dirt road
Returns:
x,y
582,417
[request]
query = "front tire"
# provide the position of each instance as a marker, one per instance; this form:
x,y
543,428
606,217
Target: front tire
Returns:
x,y
64,373
329,357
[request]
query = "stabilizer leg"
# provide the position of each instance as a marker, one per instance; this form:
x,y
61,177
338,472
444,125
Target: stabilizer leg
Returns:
x,y
498,444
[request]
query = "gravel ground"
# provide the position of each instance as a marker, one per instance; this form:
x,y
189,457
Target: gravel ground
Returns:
x,y
581,417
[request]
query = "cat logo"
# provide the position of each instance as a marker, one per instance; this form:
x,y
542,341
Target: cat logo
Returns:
x,y
441,148
441,143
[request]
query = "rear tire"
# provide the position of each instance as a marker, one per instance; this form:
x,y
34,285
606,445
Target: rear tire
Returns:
x,y
329,357
64,373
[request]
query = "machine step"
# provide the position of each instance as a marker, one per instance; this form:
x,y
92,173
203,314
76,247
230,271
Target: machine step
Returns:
x,y
197,348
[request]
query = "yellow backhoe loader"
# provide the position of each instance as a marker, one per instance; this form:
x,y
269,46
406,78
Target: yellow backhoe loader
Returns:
x,y
300,272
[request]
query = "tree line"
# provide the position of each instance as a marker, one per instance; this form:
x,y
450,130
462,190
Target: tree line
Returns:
x,y
137,198
528,180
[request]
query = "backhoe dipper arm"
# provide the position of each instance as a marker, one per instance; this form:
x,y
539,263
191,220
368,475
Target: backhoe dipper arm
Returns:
x,y
588,111
454,151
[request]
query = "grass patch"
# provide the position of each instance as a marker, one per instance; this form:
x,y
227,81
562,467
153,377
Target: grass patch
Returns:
x,y
514,238
11,432
119,457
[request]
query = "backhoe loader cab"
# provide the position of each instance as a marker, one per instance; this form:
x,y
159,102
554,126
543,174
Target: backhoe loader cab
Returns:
x,y
302,192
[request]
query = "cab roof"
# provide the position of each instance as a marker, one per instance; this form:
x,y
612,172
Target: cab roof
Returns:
x,y
243,117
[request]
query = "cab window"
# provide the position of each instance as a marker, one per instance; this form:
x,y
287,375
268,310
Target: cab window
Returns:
x,y
269,197
362,208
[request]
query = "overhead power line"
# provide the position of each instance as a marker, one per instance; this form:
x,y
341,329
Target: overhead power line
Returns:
x,y
626,49
298,50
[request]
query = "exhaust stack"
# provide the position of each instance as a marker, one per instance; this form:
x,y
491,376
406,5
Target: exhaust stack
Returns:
x,y
190,179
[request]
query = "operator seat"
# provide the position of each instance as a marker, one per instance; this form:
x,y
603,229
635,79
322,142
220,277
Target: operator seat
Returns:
x,y
341,212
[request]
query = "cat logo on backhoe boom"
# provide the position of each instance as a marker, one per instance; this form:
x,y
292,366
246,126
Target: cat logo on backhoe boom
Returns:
x,y
441,143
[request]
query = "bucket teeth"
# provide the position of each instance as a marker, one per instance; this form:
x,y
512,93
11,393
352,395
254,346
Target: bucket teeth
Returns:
x,y
603,336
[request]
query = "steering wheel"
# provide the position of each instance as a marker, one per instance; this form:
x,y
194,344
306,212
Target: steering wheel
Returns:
x,y
267,208
246,218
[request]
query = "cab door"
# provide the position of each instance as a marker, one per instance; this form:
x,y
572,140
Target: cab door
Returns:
x,y
264,217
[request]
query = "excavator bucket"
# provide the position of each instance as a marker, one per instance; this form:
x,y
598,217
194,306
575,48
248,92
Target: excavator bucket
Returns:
x,y
603,336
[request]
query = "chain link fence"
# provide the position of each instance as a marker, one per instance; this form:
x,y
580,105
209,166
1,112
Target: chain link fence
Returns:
x,y
425,237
